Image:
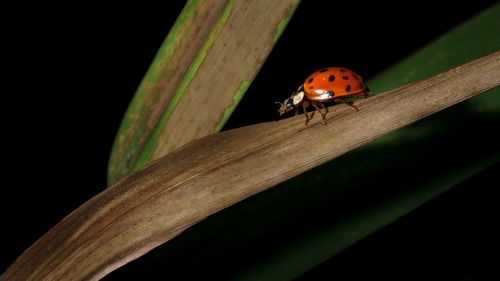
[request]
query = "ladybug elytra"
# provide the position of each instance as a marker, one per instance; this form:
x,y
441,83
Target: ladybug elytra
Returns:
x,y
332,84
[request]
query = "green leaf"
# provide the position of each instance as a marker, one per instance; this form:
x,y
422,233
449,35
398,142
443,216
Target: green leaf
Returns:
x,y
182,97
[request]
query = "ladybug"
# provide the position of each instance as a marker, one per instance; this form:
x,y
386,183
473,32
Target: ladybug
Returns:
x,y
331,84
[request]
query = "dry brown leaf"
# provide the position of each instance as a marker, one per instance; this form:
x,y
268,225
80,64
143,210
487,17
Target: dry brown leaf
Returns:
x,y
158,202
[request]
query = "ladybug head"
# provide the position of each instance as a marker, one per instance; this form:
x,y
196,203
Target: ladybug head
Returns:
x,y
285,106
292,102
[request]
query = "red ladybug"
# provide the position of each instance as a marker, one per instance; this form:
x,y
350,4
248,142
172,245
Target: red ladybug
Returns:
x,y
332,84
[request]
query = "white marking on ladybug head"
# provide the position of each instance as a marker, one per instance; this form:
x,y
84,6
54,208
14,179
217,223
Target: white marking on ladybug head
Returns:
x,y
298,97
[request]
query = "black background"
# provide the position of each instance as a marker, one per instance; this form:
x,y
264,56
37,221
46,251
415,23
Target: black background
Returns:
x,y
72,70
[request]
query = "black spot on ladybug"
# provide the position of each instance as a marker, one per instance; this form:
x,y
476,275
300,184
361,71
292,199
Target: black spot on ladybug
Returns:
x,y
331,78
348,88
323,70
310,80
342,70
311,87
345,77
355,77
330,93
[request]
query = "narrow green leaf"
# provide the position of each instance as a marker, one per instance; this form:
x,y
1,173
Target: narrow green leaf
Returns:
x,y
155,92
476,38
235,49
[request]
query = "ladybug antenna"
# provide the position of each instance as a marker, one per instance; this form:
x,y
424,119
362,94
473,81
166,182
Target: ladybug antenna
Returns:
x,y
282,108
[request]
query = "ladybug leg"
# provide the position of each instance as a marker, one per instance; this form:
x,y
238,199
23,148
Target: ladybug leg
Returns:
x,y
319,105
326,111
351,104
305,105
